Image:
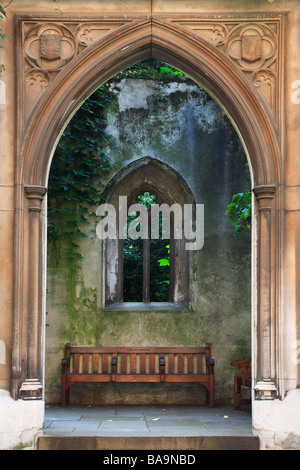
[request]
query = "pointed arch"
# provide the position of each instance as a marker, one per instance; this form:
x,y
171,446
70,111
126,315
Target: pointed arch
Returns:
x,y
210,68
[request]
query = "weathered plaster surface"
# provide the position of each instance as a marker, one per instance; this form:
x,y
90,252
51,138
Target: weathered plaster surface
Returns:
x,y
21,422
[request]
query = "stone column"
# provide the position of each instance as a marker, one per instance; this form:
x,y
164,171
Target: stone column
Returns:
x,y
265,387
32,386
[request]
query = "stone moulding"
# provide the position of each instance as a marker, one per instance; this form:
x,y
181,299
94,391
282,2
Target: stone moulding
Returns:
x,y
65,59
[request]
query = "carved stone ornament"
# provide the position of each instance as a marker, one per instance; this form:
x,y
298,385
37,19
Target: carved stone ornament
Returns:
x,y
36,81
210,31
265,82
50,46
88,33
252,46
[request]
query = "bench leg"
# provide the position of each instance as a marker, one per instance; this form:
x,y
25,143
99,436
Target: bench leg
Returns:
x,y
237,396
63,400
211,402
65,392
65,397
210,398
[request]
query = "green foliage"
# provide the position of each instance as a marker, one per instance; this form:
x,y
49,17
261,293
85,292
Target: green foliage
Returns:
x,y
151,69
2,35
239,211
78,167
2,15
147,199
2,12
165,261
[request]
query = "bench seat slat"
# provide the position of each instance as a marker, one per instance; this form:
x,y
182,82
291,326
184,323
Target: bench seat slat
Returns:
x,y
138,378
204,379
72,378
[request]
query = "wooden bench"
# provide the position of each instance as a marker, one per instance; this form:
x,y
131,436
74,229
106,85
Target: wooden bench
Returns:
x,y
125,364
241,378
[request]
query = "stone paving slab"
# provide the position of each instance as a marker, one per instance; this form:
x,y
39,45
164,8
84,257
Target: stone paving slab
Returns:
x,y
143,421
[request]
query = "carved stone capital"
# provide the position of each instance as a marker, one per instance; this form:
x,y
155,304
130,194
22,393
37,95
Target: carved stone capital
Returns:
x,y
35,192
36,195
264,194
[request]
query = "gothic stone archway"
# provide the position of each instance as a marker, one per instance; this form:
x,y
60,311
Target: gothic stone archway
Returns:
x,y
61,61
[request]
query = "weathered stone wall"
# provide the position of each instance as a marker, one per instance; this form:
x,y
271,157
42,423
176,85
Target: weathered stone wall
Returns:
x,y
181,125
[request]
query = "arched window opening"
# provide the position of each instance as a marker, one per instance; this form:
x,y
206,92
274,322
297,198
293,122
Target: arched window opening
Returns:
x,y
148,264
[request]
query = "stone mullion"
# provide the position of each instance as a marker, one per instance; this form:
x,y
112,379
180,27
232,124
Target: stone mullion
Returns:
x,y
146,263
265,387
32,386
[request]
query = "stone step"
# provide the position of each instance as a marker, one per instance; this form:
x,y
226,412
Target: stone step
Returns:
x,y
148,443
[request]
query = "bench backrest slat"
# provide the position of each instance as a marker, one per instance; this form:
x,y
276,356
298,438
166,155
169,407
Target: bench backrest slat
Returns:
x,y
123,363
130,350
171,364
133,363
76,363
95,363
142,363
180,364
86,360
105,364
199,365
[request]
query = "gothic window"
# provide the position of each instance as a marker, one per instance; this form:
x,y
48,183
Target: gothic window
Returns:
x,y
146,262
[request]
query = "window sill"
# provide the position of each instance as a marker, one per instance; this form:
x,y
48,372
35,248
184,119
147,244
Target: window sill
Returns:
x,y
147,307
